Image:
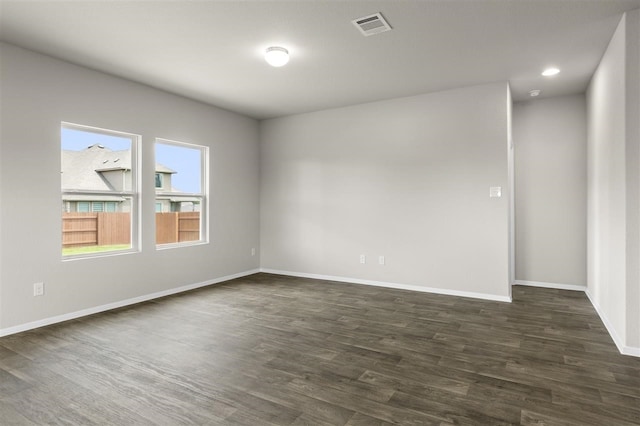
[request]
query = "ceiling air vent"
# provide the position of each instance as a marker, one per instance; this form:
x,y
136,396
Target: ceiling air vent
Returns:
x,y
372,24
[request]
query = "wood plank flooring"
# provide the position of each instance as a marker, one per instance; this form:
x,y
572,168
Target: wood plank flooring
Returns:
x,y
274,350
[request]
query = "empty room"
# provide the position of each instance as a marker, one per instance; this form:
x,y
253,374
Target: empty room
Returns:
x,y
399,212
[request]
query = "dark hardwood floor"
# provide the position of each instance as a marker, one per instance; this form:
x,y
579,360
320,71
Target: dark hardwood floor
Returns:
x,y
273,350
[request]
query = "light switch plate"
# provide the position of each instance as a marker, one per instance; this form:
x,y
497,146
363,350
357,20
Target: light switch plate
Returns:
x,y
38,289
495,192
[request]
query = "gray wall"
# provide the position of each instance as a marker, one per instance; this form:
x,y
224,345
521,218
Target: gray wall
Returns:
x,y
550,137
633,180
613,207
39,92
406,178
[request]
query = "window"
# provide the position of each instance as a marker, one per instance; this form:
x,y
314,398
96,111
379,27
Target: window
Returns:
x,y
181,198
83,206
99,183
97,206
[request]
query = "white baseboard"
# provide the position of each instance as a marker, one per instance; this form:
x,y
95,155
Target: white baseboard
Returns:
x,y
90,311
630,350
391,285
625,350
557,286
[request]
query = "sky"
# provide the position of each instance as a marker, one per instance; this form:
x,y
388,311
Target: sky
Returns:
x,y
184,160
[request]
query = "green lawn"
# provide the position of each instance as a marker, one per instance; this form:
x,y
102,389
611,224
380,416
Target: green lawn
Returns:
x,y
93,249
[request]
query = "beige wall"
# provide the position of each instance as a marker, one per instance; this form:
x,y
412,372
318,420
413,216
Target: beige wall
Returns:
x,y
550,138
613,209
406,178
38,93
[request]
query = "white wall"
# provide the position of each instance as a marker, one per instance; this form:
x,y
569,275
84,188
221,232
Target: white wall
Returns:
x,y
511,160
405,178
39,92
613,161
550,136
632,98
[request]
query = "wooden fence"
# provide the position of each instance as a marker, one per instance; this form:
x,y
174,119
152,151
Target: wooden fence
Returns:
x,y
95,229
177,227
103,229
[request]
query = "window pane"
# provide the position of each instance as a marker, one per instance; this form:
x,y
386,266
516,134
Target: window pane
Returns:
x,y
95,161
82,235
180,170
180,167
98,179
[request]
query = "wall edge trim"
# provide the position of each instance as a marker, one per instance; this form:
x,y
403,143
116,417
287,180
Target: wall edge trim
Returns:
x,y
114,305
410,287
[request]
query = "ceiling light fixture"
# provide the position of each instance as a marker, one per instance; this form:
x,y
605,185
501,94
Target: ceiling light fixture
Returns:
x,y
550,71
534,93
276,56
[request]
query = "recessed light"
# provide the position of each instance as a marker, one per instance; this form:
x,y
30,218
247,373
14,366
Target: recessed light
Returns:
x,y
534,93
276,56
550,71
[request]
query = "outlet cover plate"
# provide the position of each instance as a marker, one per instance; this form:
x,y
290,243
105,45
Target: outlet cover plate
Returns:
x,y
38,289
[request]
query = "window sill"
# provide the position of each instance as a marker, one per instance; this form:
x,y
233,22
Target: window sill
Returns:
x,y
180,245
113,253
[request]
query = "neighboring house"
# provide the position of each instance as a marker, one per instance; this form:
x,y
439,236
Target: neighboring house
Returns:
x,y
89,175
164,201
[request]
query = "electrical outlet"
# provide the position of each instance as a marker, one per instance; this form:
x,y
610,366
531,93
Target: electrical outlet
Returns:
x,y
38,289
381,260
253,251
363,258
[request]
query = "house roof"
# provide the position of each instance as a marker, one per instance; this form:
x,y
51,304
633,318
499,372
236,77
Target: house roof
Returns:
x,y
82,197
83,170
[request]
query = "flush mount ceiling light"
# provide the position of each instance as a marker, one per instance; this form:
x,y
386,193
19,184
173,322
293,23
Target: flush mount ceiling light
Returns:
x,y
550,71
276,56
534,93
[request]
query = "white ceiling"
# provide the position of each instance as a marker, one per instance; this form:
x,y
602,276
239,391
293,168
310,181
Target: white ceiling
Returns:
x,y
212,50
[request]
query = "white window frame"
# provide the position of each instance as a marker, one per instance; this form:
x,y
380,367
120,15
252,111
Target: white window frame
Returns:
x,y
133,194
204,195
